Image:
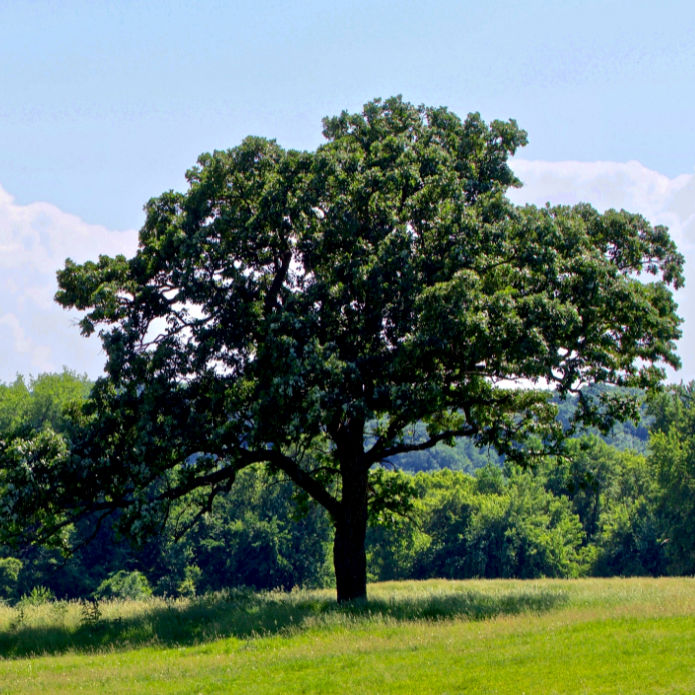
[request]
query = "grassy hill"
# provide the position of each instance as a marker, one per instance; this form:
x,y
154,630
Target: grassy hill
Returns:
x,y
546,636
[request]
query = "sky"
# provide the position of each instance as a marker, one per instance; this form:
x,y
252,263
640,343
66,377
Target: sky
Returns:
x,y
104,105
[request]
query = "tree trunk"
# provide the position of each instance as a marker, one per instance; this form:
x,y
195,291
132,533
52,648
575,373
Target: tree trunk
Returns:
x,y
349,557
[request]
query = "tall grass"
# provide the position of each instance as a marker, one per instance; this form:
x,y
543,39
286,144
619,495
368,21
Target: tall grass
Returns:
x,y
500,637
60,626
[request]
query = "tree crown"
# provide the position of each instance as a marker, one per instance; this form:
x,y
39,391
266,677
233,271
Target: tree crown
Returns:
x,y
307,309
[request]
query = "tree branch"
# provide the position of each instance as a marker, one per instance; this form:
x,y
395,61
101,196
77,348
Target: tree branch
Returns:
x,y
377,454
270,301
304,480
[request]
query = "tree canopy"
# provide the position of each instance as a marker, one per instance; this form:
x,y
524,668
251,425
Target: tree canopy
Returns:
x,y
321,312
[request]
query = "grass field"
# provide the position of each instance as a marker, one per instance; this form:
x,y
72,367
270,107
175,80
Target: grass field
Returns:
x,y
533,637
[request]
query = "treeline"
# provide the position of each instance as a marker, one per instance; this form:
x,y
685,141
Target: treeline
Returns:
x,y
600,509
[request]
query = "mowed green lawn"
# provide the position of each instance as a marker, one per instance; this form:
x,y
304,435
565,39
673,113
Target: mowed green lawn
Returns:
x,y
534,637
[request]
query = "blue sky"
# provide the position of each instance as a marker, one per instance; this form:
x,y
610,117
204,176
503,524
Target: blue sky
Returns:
x,y
105,104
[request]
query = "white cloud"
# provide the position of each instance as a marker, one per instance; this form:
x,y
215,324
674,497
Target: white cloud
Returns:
x,y
633,187
37,335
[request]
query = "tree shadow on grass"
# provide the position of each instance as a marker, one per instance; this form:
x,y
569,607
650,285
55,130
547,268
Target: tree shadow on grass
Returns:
x,y
246,615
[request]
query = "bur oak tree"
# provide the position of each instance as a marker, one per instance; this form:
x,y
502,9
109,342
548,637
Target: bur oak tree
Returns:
x,y
306,310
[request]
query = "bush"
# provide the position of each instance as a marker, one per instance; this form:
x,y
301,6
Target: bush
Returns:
x,y
37,597
124,585
10,568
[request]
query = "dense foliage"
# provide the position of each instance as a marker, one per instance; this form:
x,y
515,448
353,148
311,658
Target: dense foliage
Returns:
x,y
321,313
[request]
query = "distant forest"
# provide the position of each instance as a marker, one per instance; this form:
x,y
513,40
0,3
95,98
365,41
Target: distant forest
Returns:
x,y
465,456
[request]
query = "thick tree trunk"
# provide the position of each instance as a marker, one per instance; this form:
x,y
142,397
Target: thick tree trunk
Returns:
x,y
349,557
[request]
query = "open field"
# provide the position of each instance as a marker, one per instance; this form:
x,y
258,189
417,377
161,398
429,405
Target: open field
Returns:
x,y
535,637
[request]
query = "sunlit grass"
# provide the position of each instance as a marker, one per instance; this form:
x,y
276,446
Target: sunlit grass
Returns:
x,y
549,636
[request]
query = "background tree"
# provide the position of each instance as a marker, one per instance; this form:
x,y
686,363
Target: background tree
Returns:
x,y
672,456
254,536
45,402
307,309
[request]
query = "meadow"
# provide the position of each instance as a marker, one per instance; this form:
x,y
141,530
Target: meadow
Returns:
x,y
490,636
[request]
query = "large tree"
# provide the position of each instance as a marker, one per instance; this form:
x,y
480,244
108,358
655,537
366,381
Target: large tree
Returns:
x,y
305,310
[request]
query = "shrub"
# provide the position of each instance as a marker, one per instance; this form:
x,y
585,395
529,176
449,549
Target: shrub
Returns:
x,y
124,585
10,568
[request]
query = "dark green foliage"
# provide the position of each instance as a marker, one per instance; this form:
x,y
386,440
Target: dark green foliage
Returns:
x,y
253,536
291,307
